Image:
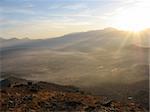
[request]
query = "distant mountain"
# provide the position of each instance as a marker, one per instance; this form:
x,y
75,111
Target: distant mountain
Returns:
x,y
2,39
82,41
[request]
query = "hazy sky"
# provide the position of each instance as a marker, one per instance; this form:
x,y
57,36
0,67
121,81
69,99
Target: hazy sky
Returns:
x,y
50,18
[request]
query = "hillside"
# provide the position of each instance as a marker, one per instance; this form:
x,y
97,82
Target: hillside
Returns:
x,y
103,62
21,95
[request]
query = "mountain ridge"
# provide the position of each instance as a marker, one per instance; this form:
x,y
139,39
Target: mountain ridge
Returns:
x,y
85,40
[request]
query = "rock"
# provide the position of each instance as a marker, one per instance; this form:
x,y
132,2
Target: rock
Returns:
x,y
130,98
27,98
34,88
106,102
11,104
29,83
90,109
72,105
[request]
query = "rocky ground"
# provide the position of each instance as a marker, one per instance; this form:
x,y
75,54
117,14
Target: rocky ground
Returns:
x,y
19,95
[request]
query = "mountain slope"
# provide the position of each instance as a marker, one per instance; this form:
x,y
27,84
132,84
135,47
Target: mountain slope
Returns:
x,y
47,97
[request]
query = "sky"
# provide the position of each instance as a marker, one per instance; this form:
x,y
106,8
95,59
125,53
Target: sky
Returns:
x,y
52,18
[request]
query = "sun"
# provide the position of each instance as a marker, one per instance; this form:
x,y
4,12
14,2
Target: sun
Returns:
x,y
133,18
130,26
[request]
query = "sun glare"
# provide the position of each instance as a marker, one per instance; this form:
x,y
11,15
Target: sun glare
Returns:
x,y
135,18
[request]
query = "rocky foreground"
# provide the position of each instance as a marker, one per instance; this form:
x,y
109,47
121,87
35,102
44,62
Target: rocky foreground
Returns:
x,y
19,95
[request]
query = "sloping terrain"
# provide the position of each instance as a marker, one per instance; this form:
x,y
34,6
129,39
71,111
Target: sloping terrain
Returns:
x,y
25,96
103,62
